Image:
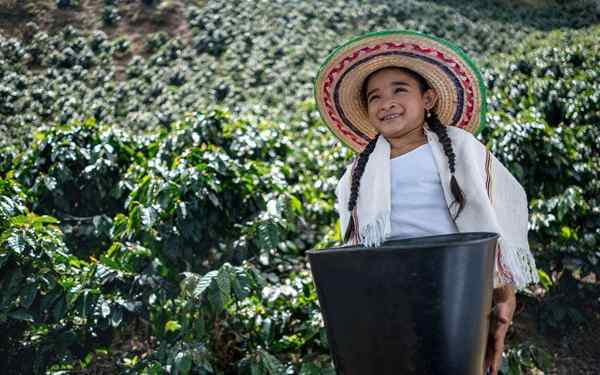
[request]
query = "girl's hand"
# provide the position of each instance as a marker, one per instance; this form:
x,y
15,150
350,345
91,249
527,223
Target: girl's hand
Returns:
x,y
502,314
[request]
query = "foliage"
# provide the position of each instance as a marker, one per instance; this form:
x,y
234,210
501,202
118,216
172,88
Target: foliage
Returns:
x,y
253,57
139,237
524,357
544,128
208,191
75,173
36,270
110,15
66,4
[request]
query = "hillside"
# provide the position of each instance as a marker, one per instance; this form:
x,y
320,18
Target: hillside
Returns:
x,y
163,171
253,57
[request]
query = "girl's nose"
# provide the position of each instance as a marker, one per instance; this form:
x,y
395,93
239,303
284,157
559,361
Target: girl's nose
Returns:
x,y
389,105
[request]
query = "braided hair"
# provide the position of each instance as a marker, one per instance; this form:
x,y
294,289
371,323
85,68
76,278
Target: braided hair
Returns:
x,y
442,133
357,173
434,124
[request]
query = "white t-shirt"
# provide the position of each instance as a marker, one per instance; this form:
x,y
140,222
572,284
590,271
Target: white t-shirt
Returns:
x,y
418,204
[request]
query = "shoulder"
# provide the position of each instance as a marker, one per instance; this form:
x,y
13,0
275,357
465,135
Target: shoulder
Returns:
x,y
345,177
349,167
464,140
470,147
461,134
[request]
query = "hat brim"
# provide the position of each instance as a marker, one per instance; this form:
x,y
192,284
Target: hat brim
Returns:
x,y
448,70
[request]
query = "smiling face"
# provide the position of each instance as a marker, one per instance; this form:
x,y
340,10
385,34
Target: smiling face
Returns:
x,y
396,102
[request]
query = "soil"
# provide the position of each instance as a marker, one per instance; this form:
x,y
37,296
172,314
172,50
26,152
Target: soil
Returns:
x,y
574,348
137,21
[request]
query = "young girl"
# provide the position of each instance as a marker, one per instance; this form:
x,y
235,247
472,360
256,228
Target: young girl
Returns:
x,y
408,103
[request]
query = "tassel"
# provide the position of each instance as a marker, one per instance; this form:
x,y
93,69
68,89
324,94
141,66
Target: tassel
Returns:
x,y
519,263
373,234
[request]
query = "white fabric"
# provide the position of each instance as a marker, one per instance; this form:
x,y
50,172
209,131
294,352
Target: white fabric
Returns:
x,y
375,223
417,199
505,212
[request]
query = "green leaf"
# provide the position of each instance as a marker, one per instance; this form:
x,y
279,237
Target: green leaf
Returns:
x,y
271,364
19,220
172,326
182,212
323,337
85,304
88,358
215,299
310,369
259,280
255,369
200,327
565,232
45,219
119,225
188,283
116,317
4,257
134,220
204,283
16,242
60,308
542,358
183,363
267,235
224,283
28,295
265,329
49,299
240,283
21,314
149,216
105,309
296,205
13,286
140,192
544,279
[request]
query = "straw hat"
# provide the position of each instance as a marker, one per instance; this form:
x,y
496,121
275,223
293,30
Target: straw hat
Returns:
x,y
457,81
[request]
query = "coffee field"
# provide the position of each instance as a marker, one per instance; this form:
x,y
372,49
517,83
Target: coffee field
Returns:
x,y
163,171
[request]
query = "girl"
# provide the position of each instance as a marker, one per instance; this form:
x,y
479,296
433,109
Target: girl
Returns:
x,y
408,104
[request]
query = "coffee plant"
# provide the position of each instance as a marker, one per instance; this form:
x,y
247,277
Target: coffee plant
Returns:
x,y
155,208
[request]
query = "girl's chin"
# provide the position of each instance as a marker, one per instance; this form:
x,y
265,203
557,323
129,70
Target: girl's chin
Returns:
x,y
395,130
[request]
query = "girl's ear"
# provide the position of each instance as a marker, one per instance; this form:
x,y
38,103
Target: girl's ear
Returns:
x,y
430,98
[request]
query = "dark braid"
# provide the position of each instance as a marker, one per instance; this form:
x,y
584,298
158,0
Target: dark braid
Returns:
x,y
363,157
442,133
357,173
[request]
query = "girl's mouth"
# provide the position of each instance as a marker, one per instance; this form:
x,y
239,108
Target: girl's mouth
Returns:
x,y
390,117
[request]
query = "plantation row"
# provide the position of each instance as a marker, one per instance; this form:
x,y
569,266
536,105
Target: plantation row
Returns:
x,y
190,240
254,57
142,218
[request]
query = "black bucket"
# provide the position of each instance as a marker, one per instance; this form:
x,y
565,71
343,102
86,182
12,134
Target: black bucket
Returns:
x,y
411,306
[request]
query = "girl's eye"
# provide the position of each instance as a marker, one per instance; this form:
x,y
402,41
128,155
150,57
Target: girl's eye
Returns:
x,y
399,89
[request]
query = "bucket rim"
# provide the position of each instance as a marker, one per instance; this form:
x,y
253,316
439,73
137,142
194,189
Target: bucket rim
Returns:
x,y
436,241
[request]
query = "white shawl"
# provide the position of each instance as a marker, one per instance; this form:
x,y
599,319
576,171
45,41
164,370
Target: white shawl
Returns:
x,y
494,202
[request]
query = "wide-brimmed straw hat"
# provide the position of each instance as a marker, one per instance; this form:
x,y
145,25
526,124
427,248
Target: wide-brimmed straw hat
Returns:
x,y
448,70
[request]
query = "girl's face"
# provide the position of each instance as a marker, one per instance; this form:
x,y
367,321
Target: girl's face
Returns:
x,y
395,103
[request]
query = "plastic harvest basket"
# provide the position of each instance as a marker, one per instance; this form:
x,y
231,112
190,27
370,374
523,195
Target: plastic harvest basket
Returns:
x,y
411,306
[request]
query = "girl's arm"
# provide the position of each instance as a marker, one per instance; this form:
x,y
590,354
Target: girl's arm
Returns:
x,y
505,302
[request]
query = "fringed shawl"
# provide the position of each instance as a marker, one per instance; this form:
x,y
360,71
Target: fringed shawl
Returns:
x,y
494,202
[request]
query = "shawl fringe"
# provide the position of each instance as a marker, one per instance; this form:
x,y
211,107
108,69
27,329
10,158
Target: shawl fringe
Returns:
x,y
373,233
519,261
